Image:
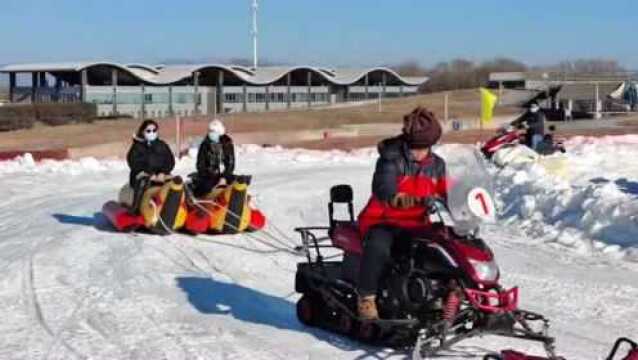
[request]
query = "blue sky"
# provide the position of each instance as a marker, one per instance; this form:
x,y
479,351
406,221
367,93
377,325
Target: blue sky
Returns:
x,y
329,32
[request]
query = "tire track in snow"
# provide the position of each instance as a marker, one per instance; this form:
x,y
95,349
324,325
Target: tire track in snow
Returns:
x,y
36,308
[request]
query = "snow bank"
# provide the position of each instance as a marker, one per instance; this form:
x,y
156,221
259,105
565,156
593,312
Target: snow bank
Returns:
x,y
592,210
26,164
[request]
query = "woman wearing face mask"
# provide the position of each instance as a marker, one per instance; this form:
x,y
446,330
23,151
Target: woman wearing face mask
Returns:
x,y
217,149
150,159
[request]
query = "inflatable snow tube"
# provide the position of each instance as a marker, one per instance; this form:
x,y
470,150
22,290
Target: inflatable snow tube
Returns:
x,y
162,209
226,210
121,218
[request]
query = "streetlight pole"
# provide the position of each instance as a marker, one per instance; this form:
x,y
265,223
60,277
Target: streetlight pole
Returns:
x,y
255,7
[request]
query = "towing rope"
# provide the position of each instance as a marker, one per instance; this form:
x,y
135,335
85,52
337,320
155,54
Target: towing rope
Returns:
x,y
280,245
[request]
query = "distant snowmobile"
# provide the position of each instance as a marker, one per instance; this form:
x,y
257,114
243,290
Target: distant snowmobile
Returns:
x,y
441,288
507,147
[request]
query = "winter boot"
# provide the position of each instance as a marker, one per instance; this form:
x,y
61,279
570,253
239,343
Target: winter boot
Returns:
x,y
367,307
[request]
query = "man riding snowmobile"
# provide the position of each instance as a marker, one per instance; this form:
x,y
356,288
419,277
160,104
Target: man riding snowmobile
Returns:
x,y
216,149
534,121
150,160
406,173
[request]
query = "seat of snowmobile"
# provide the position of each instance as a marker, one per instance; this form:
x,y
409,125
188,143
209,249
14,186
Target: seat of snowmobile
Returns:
x,y
344,234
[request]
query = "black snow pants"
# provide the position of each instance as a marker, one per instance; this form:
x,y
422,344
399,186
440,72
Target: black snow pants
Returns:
x,y
139,187
377,252
203,185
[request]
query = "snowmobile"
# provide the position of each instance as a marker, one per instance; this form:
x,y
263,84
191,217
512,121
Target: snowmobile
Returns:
x,y
226,209
161,211
442,286
507,146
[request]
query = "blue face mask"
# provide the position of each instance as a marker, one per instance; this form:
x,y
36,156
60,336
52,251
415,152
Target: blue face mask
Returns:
x,y
214,136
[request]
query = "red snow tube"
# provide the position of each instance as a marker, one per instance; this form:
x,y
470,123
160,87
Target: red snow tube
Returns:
x,y
197,222
120,217
257,220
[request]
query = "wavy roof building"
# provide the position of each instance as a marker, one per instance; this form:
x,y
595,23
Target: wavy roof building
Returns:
x,y
142,90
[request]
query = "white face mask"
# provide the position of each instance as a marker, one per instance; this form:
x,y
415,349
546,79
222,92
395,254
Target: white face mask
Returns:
x,y
533,109
150,135
214,136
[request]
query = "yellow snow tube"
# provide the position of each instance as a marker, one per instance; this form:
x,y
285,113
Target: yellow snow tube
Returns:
x,y
164,206
232,213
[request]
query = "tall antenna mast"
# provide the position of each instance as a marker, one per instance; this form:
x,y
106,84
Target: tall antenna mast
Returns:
x,y
254,10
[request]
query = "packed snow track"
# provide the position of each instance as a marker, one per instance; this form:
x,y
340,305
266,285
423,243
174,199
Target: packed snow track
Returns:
x,y
72,288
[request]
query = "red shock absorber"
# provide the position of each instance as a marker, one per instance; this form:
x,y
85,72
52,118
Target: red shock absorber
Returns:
x,y
452,305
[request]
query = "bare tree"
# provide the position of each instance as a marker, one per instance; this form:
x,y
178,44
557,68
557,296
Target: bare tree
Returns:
x,y
465,74
409,68
585,66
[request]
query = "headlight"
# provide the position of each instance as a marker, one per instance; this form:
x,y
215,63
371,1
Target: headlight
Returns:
x,y
485,270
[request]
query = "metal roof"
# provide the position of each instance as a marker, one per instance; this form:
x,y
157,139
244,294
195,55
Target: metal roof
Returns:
x,y
166,75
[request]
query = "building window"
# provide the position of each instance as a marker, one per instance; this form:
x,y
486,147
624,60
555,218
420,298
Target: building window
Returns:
x,y
148,98
233,98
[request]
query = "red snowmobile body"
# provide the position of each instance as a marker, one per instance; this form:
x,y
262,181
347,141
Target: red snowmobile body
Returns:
x,y
503,139
513,137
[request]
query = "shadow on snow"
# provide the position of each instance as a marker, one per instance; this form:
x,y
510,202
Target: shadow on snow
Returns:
x,y
97,221
209,296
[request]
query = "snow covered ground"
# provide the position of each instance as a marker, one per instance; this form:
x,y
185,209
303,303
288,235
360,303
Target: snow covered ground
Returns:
x,y
72,288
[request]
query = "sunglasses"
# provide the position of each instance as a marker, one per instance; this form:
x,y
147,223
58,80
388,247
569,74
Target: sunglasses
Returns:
x,y
150,130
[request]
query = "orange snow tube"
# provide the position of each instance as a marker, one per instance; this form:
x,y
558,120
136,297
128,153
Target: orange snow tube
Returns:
x,y
226,210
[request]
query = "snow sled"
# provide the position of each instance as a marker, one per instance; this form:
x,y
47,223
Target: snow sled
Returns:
x,y
630,354
226,210
162,209
441,287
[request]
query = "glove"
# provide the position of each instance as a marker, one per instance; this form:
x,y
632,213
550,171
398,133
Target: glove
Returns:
x,y
141,174
404,201
430,205
160,178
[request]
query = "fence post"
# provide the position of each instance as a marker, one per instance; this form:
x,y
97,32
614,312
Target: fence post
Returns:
x,y
178,137
445,106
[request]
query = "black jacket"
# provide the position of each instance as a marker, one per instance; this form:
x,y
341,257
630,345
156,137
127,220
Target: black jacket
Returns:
x,y
396,162
212,155
153,158
535,122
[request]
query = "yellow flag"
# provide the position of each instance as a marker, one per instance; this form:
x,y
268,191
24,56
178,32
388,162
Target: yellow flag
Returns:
x,y
488,101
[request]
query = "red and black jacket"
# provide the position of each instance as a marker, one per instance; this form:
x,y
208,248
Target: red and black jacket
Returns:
x,y
398,172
